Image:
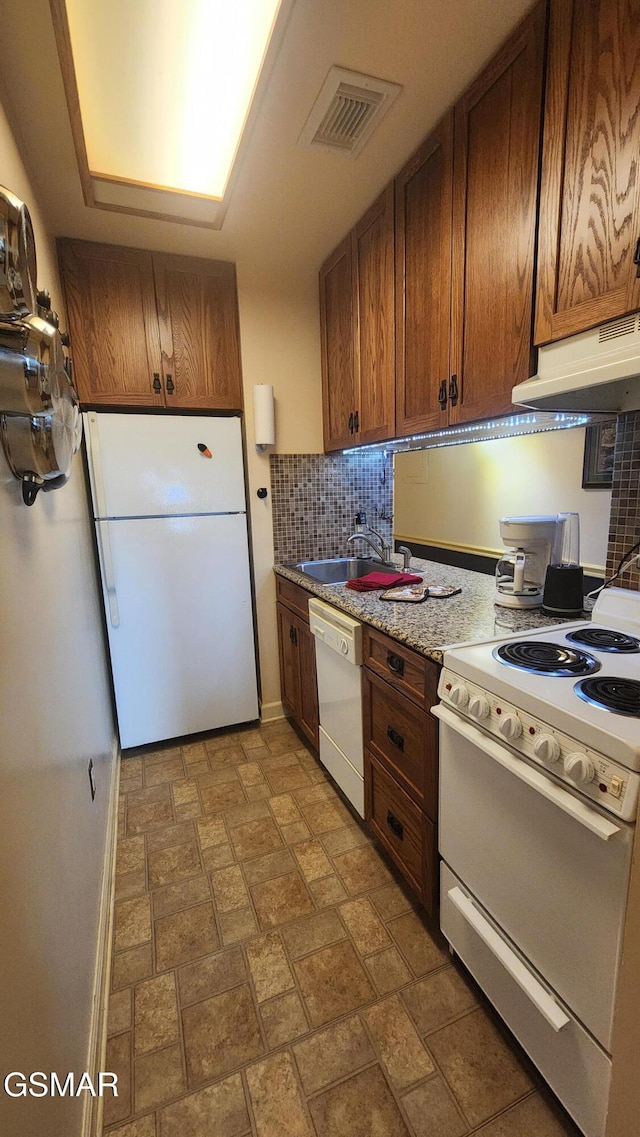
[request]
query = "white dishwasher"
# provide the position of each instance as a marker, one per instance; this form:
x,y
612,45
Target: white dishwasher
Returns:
x,y
338,659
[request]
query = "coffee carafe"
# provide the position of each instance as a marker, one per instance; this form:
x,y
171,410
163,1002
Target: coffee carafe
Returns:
x,y
520,573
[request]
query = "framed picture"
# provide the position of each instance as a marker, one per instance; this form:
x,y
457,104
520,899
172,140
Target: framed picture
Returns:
x,y
599,445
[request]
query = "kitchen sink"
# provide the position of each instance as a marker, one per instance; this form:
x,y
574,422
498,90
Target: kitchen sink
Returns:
x,y
338,570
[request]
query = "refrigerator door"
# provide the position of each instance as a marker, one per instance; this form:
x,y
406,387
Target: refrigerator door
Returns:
x,y
178,610
162,465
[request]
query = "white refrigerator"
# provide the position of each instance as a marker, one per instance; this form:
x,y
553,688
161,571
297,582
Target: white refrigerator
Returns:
x,y
170,514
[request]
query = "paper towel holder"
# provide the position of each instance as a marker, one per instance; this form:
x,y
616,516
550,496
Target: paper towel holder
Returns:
x,y
264,416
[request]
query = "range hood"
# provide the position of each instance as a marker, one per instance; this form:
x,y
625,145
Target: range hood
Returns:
x,y
595,371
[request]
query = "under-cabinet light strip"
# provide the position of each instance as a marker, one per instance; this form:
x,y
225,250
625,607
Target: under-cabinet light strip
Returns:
x,y
508,427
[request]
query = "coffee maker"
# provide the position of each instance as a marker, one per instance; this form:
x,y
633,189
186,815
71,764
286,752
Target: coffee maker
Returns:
x,y
521,572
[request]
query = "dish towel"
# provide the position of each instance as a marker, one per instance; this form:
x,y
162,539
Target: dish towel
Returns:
x,y
375,580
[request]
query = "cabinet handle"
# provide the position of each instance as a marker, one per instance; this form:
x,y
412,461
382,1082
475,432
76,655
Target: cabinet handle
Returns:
x,y
636,258
356,422
396,827
395,663
170,386
453,391
156,382
293,635
442,394
394,738
351,423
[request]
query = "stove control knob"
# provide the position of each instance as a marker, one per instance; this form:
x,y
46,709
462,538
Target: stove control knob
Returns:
x,y
479,707
459,695
579,768
547,748
510,727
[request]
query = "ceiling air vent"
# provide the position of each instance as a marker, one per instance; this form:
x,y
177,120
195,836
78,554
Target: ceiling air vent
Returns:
x,y
347,111
617,328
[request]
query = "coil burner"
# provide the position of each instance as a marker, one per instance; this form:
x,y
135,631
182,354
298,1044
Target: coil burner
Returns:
x,y
543,658
605,639
620,696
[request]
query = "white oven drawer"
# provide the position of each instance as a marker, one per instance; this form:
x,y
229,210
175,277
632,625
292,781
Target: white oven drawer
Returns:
x,y
555,882
570,1060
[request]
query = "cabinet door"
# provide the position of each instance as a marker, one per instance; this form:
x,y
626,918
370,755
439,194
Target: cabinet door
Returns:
x,y
337,347
590,193
497,140
309,717
374,317
423,281
112,322
289,666
199,335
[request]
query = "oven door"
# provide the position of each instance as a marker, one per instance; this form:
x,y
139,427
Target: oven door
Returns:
x,y
549,869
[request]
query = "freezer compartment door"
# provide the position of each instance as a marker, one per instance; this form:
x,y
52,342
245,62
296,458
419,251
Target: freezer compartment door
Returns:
x,y
179,618
158,465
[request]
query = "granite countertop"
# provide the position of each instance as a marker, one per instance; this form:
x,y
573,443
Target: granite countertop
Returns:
x,y
432,626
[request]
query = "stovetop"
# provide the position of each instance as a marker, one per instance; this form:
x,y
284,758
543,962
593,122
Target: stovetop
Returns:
x,y
569,678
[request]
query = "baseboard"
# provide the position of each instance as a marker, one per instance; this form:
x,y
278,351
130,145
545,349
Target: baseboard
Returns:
x,y
93,1107
269,712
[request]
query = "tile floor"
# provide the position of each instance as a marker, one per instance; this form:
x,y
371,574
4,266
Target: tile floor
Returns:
x,y
271,975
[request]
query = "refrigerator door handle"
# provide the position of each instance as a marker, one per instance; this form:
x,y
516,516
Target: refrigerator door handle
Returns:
x,y
106,564
95,466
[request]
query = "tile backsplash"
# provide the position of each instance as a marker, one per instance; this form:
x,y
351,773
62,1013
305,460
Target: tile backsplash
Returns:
x,y
624,527
315,498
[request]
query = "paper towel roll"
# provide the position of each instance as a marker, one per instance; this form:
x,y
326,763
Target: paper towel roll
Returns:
x,y
263,414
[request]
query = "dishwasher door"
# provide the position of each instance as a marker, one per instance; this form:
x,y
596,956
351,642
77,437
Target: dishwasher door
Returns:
x,y
338,660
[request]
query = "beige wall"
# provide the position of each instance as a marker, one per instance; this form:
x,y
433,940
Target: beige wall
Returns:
x,y
455,495
55,715
280,334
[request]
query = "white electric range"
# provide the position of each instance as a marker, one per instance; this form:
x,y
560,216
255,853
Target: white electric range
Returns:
x,y
539,780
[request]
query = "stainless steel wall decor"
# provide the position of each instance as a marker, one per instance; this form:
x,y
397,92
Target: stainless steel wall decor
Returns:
x,y
17,258
40,424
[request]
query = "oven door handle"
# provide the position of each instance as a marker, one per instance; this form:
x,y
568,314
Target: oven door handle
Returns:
x,y
527,982
565,801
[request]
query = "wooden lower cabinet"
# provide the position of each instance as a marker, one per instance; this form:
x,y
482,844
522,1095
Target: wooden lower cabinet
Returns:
x,y
408,835
401,759
298,680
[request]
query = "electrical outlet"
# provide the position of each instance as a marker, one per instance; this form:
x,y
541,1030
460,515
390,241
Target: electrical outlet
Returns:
x,y
92,780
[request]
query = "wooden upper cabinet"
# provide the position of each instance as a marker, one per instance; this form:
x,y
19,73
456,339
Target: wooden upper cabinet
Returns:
x,y
590,197
199,336
112,322
337,344
357,332
151,330
423,281
495,194
373,245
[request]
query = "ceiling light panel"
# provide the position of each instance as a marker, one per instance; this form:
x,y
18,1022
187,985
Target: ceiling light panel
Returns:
x,y
165,86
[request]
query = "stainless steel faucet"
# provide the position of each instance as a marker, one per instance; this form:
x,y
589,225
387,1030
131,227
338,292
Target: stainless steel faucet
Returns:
x,y
407,554
383,550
